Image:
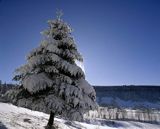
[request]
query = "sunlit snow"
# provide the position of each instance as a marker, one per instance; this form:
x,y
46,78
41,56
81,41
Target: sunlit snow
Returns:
x,y
12,117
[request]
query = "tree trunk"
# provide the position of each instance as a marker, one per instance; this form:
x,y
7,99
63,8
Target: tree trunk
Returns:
x,y
50,121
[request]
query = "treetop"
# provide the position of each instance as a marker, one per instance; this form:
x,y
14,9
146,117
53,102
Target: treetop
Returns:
x,y
59,14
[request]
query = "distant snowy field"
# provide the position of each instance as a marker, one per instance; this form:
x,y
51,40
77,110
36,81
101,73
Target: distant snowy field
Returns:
x,y
12,117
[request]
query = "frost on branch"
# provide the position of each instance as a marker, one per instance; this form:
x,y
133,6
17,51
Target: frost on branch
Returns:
x,y
36,82
52,80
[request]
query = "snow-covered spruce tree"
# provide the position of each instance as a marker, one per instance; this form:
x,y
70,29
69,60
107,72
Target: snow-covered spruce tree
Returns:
x,y
51,81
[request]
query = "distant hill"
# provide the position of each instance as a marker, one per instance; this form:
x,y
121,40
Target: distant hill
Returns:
x,y
129,96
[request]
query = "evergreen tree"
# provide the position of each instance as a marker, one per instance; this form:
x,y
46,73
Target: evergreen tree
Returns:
x,y
51,81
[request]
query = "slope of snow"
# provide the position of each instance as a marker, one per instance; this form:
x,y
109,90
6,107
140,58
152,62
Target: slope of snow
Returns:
x,y
12,117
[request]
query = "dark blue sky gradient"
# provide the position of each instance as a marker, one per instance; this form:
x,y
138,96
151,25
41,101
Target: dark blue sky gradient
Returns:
x,y
119,39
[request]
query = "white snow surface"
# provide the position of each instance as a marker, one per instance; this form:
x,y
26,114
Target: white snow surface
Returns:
x,y
13,117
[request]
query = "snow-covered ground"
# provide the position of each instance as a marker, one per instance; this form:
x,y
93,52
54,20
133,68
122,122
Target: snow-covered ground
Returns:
x,y
12,117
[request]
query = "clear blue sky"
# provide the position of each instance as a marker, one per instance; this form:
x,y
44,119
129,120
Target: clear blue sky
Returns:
x,y
119,39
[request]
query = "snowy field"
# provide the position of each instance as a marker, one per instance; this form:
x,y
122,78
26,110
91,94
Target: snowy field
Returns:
x,y
12,117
